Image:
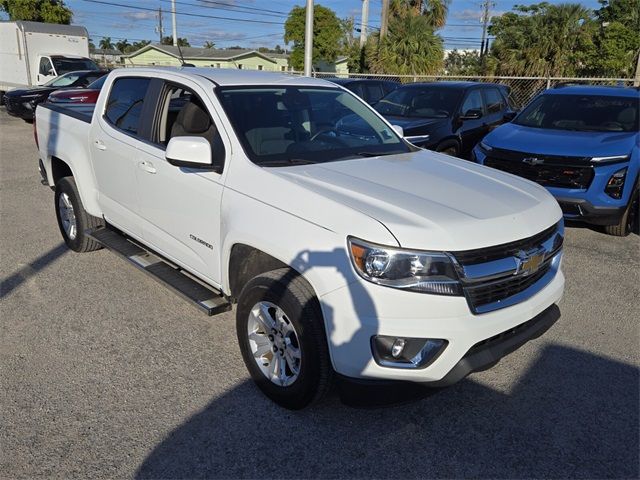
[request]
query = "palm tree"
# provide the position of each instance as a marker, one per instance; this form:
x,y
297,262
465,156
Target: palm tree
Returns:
x,y
106,44
435,11
410,48
209,44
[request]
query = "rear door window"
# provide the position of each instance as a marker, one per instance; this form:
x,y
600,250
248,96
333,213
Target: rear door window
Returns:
x,y
473,101
495,101
125,103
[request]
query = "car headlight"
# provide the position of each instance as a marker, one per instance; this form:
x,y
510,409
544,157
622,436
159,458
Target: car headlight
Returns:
x,y
413,270
610,159
485,147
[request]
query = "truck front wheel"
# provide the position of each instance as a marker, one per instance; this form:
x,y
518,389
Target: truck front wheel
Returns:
x,y
282,338
73,220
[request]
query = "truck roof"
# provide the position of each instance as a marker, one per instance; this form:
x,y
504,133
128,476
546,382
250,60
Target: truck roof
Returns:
x,y
233,77
51,28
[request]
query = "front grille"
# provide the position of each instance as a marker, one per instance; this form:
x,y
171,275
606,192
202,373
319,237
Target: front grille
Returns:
x,y
552,171
494,290
485,294
482,255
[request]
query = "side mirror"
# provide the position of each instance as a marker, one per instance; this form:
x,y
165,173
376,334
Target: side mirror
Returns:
x,y
472,114
189,152
51,72
398,129
508,116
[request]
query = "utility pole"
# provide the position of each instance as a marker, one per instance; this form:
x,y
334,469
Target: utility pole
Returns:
x,y
159,28
384,21
308,39
173,21
486,16
365,21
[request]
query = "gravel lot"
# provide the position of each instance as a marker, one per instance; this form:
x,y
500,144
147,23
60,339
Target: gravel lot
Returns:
x,y
103,373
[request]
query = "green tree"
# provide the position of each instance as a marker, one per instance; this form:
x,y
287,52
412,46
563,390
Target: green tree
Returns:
x,y
106,43
135,46
209,44
328,35
49,11
615,43
411,47
183,42
463,63
540,40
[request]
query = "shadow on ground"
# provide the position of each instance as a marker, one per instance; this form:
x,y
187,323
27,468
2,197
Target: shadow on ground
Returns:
x,y
572,414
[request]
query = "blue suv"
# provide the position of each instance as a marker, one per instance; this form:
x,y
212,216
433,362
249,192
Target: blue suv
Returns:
x,y
582,144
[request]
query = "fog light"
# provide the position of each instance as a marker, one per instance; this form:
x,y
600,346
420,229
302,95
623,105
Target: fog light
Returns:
x,y
400,352
615,185
397,348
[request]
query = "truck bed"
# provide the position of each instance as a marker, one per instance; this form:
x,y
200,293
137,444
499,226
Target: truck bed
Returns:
x,y
80,111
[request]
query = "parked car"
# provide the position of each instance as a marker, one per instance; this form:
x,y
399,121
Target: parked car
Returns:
x,y
350,253
22,102
582,144
78,95
448,117
370,90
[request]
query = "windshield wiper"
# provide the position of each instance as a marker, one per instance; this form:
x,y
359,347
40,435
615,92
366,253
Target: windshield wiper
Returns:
x,y
289,161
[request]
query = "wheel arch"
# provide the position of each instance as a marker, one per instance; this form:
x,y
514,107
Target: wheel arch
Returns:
x,y
246,262
59,167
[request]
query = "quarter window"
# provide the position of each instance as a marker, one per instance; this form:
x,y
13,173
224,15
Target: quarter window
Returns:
x,y
125,103
495,101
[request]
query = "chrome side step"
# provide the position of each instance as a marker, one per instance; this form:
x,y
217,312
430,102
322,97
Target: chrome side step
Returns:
x,y
205,297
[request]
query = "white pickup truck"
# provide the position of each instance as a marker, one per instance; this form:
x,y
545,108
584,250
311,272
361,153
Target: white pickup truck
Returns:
x,y
351,254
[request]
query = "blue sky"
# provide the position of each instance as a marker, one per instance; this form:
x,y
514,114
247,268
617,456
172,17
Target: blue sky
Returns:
x,y
136,20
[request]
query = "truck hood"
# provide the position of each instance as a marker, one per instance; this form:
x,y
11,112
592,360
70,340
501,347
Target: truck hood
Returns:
x,y
432,201
561,142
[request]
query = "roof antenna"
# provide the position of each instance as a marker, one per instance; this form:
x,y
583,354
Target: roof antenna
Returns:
x,y
182,58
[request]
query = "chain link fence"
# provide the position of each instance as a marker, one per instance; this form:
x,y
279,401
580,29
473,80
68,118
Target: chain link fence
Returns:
x,y
523,89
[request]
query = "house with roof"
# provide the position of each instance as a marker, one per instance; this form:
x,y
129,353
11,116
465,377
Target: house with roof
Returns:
x,y
247,59
169,55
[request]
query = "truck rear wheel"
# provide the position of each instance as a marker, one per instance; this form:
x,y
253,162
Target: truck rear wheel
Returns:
x,y
630,218
282,338
73,220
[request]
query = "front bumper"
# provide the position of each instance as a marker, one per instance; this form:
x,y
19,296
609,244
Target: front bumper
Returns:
x,y
19,108
359,311
582,210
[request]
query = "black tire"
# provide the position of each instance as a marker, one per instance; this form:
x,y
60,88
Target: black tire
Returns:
x,y
290,292
83,221
449,147
629,220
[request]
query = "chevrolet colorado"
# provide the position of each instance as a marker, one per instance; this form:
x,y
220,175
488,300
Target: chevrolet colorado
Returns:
x,y
351,254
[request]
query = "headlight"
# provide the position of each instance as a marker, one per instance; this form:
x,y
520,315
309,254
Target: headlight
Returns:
x,y
610,159
485,147
414,270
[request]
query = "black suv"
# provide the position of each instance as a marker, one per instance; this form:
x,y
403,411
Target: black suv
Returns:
x,y
449,117
371,91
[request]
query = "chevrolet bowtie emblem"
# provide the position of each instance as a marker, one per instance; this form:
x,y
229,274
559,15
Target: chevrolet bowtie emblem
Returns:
x,y
533,160
529,262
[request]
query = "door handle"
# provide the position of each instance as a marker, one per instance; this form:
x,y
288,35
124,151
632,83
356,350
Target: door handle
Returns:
x,y
100,145
147,167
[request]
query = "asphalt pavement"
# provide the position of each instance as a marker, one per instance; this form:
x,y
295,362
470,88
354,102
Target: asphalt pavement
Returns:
x,y
105,374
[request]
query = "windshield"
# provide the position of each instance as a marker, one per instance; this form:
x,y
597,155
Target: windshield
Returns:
x,y
420,102
97,84
63,80
588,113
293,125
65,65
